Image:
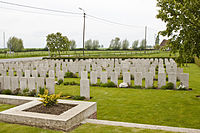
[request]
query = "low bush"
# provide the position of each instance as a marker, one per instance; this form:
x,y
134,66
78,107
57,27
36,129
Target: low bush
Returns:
x,y
168,86
7,92
41,91
197,61
70,75
49,100
60,82
78,97
25,92
71,83
136,87
109,84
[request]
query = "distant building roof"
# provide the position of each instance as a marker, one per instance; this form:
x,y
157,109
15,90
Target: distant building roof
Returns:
x,y
163,43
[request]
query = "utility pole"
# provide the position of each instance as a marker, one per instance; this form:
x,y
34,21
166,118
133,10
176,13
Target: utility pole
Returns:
x,y
145,38
84,14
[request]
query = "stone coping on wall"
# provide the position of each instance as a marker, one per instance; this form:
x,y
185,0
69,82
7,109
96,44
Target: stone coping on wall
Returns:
x,y
65,121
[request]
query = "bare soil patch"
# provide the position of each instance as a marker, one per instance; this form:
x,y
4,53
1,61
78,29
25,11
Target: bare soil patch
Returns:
x,y
55,110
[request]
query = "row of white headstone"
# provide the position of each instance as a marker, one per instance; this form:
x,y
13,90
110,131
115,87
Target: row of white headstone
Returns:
x,y
32,83
149,78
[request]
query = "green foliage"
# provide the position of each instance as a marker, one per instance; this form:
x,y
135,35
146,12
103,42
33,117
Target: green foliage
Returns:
x,y
70,75
60,82
115,44
41,91
49,100
92,45
25,92
71,83
135,44
168,86
15,44
57,43
6,91
125,44
197,61
136,87
109,84
183,26
157,47
142,44
72,44
78,97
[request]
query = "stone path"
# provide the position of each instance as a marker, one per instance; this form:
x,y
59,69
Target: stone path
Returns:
x,y
146,126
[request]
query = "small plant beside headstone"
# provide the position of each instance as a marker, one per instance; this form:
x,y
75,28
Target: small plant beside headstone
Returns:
x,y
49,100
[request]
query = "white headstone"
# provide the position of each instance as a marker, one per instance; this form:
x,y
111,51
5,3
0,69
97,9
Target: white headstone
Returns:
x,y
85,88
138,79
23,83
148,79
50,85
161,79
93,77
104,77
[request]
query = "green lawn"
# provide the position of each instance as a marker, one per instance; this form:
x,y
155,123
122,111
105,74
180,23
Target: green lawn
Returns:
x,y
148,106
159,107
154,53
86,128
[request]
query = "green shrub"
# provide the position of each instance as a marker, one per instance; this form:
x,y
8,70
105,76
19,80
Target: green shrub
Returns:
x,y
168,86
41,91
71,83
197,61
25,92
49,100
109,84
97,84
136,87
60,82
70,75
7,92
78,97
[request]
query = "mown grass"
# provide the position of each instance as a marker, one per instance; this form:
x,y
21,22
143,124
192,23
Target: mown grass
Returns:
x,y
154,53
86,128
149,106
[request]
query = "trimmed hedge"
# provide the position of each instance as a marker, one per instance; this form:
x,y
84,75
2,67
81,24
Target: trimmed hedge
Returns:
x,y
110,57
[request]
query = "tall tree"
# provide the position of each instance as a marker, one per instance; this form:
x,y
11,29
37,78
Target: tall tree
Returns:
x,y
182,26
135,44
15,44
88,44
115,44
125,44
57,43
72,44
95,45
142,44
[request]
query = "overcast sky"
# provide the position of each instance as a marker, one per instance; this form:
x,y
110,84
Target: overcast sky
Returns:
x,y
33,28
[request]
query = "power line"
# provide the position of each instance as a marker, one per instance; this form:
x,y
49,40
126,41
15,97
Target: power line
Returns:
x,y
112,22
65,12
38,8
25,11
